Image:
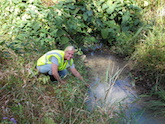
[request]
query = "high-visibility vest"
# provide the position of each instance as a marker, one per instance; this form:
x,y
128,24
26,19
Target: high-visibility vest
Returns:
x,y
59,54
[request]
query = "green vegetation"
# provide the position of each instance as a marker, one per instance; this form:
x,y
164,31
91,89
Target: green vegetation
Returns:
x,y
149,56
29,28
82,24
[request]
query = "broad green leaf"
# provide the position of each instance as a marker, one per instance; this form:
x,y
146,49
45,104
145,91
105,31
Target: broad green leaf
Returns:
x,y
111,9
50,39
101,1
90,13
125,17
93,39
54,32
64,40
104,33
4,26
85,16
61,32
111,23
42,42
136,22
125,28
98,3
71,6
104,6
89,30
109,2
76,11
111,30
99,23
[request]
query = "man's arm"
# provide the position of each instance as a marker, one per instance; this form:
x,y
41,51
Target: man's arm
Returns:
x,y
76,73
55,73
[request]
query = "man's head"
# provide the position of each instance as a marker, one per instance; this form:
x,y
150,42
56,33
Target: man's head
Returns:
x,y
69,52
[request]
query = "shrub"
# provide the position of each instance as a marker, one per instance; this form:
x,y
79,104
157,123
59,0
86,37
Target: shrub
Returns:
x,y
26,25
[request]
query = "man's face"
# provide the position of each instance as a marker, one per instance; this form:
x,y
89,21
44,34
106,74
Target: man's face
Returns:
x,y
69,54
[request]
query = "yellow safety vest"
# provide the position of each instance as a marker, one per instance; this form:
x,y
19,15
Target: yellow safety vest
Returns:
x,y
59,54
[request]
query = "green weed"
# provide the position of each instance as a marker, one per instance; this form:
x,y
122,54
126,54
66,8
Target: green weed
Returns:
x,y
149,55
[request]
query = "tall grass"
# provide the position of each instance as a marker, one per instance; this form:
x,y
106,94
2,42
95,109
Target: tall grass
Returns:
x,y
112,101
26,98
111,78
149,56
29,99
150,52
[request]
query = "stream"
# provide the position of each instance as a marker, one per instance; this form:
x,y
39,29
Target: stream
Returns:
x,y
112,90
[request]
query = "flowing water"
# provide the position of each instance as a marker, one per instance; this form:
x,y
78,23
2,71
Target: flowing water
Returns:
x,y
112,89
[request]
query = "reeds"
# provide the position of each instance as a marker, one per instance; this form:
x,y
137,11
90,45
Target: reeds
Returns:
x,y
111,79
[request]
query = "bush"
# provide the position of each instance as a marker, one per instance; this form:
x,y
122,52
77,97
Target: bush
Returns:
x,y
28,25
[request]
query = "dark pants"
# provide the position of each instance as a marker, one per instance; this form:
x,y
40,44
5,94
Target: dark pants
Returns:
x,y
62,74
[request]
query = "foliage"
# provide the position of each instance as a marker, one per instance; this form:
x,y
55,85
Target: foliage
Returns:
x,y
149,56
29,28
29,23
150,52
25,98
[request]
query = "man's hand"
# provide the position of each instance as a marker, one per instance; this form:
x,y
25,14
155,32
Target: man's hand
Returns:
x,y
56,75
63,82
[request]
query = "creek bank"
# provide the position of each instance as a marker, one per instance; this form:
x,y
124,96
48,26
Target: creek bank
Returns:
x,y
123,92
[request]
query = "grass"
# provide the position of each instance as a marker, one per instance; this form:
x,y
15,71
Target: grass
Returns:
x,y
114,110
28,99
149,56
31,100
112,77
150,52
35,100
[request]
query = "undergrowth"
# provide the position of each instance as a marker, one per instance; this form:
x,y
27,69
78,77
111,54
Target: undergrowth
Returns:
x,y
27,97
29,29
149,56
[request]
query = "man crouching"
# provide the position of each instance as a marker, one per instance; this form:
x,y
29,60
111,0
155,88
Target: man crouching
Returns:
x,y
55,62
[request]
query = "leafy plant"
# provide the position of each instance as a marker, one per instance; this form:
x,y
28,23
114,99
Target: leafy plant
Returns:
x,y
68,22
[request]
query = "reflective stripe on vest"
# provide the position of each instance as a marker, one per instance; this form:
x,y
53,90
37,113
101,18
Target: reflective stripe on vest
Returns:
x,y
46,59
